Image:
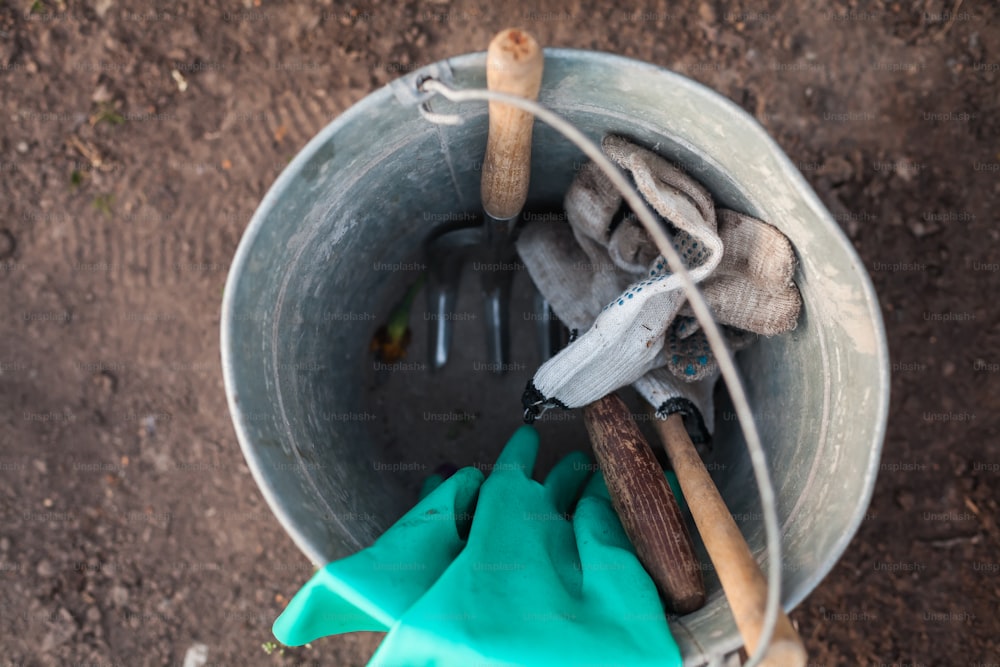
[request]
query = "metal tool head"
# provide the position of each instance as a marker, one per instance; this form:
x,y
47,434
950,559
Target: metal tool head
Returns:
x,y
446,253
490,249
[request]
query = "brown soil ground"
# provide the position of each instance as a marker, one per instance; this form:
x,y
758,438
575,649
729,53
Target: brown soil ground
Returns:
x,y
135,144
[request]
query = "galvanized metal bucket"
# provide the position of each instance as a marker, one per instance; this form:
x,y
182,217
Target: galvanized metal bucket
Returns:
x,y
358,195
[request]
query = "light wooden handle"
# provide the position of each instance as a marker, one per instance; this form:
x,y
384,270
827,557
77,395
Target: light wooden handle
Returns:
x,y
513,65
741,578
645,504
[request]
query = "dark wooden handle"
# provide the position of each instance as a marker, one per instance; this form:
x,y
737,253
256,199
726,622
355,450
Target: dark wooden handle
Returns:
x,y
647,508
741,578
513,65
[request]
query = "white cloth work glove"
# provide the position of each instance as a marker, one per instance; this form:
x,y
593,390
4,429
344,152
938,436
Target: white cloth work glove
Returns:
x,y
603,276
623,340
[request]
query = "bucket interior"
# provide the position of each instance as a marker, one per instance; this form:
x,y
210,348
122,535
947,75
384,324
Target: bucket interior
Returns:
x,y
339,447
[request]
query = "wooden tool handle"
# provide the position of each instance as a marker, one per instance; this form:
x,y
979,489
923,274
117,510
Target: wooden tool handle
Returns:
x,y
513,65
642,498
741,578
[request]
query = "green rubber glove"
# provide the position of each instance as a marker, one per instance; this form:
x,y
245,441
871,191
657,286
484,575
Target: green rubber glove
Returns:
x,y
371,589
675,488
533,587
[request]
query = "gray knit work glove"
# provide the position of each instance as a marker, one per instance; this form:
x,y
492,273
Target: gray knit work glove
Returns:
x,y
604,278
622,341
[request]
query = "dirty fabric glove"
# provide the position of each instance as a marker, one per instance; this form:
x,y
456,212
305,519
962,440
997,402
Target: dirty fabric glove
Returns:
x,y
534,587
750,292
749,288
555,258
752,288
687,354
371,589
639,300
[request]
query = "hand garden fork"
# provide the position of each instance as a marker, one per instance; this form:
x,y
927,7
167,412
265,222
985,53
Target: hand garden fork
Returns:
x,y
513,65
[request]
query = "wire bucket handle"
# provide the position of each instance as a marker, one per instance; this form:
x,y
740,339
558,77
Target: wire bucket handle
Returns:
x,y
727,367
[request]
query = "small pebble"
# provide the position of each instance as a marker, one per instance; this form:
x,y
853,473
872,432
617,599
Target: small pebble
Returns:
x,y
196,655
106,382
93,615
837,168
22,147
62,628
101,7
45,569
119,596
853,228
905,500
706,12
919,229
101,94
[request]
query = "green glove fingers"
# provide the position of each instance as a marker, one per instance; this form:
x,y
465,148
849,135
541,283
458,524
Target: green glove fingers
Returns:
x,y
371,589
528,587
442,517
519,453
431,483
675,487
532,588
615,581
565,480
605,550
515,513
325,605
596,488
